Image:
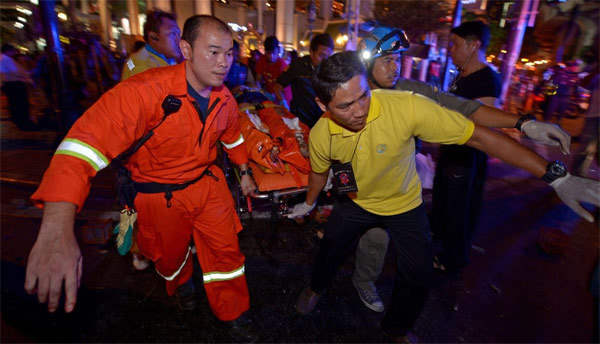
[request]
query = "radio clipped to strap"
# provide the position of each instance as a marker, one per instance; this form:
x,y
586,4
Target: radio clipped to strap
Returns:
x,y
125,188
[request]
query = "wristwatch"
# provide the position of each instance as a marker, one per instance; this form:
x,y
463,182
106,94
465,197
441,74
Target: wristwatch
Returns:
x,y
554,170
522,119
247,172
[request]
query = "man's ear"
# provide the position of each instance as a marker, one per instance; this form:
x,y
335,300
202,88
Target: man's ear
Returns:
x,y
321,105
186,49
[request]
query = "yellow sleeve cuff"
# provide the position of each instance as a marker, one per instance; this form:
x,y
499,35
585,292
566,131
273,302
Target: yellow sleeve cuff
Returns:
x,y
469,129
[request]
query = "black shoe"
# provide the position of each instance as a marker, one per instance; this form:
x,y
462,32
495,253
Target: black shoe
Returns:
x,y
241,329
186,296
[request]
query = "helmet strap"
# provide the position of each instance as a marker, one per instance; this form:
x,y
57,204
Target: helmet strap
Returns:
x,y
370,74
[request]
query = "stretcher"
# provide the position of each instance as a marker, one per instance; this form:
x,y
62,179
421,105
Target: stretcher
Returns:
x,y
273,187
277,149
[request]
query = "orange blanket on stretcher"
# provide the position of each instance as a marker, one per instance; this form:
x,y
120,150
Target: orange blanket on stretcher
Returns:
x,y
275,140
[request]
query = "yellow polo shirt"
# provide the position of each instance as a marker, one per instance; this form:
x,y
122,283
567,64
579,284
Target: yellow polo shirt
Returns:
x,y
141,62
383,153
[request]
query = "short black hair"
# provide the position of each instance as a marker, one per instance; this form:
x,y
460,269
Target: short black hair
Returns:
x,y
321,39
474,30
194,23
154,19
236,45
138,45
335,70
271,43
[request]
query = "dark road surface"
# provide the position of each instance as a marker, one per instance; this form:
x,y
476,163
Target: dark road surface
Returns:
x,y
513,291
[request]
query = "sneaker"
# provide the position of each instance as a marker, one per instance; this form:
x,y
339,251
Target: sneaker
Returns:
x,y
307,301
140,262
370,298
242,329
186,296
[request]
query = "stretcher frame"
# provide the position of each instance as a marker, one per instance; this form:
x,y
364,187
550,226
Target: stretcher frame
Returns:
x,y
276,198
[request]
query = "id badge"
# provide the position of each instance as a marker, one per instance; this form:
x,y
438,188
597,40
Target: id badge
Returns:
x,y
343,178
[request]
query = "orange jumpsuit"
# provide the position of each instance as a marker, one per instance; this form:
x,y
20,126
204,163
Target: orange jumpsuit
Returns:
x,y
204,211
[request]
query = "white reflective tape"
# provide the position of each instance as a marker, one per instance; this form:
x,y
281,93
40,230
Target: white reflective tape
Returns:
x,y
235,144
130,64
170,278
223,276
83,151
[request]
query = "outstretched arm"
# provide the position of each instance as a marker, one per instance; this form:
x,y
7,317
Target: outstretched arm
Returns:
x,y
546,133
55,258
489,116
571,190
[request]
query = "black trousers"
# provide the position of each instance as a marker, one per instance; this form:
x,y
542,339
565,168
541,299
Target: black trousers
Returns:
x,y
411,236
18,103
457,195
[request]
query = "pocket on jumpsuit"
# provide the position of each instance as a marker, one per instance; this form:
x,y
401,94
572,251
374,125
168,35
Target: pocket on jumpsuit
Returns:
x,y
172,143
149,241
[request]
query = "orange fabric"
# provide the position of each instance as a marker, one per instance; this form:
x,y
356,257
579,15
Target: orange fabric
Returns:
x,y
204,212
172,155
284,136
124,114
258,145
273,181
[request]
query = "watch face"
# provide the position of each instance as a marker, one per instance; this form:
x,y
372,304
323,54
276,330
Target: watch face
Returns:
x,y
557,169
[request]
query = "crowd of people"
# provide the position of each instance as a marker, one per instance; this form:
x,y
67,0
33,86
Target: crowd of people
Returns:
x,y
185,92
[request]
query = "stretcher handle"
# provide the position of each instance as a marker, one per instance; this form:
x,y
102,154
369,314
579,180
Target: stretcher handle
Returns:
x,y
249,202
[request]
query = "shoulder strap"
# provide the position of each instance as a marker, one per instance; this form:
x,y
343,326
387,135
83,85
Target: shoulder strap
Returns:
x,y
170,105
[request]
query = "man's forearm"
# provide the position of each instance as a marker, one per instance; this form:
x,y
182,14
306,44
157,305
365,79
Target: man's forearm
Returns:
x,y
316,182
58,218
507,150
243,167
278,90
492,117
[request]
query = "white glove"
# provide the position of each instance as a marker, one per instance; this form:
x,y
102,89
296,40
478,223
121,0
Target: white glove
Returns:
x,y
300,210
572,190
547,133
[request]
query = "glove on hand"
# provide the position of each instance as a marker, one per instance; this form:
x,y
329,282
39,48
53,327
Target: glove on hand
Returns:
x,y
547,133
572,190
300,210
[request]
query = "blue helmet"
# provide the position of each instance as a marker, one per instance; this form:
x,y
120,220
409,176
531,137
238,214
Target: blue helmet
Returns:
x,y
381,41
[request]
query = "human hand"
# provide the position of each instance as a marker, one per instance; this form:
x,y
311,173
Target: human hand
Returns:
x,y
55,258
300,210
572,190
247,184
547,133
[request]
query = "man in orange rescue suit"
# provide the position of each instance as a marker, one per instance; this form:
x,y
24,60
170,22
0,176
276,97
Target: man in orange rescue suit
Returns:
x,y
181,151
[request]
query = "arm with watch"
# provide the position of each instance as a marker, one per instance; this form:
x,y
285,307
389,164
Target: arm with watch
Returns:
x,y
570,189
246,182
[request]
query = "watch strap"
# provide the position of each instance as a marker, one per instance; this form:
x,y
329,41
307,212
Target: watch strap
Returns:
x,y
247,172
522,119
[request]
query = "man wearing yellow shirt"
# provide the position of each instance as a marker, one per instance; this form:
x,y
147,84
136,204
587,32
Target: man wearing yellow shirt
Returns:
x,y
162,36
371,134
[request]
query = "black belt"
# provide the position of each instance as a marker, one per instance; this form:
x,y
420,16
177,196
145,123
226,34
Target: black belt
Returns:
x,y
168,189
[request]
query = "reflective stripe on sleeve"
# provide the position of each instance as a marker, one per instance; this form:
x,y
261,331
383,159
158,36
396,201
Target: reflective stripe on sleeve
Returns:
x,y
217,276
234,144
83,151
170,278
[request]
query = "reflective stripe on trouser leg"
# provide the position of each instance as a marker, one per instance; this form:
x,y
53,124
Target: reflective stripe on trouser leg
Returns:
x,y
170,278
215,236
